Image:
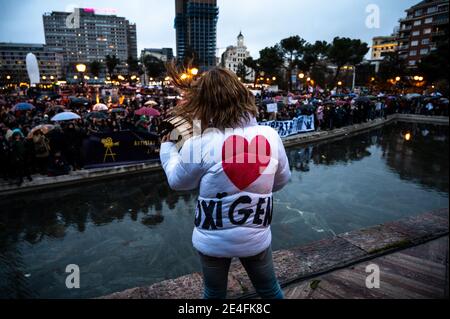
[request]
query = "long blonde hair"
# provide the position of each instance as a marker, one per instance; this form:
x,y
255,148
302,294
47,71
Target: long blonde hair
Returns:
x,y
217,98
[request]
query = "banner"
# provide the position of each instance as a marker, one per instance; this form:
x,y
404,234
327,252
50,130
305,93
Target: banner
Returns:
x,y
301,124
106,149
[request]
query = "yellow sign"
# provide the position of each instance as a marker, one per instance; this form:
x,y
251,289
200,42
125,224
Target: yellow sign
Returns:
x,y
109,144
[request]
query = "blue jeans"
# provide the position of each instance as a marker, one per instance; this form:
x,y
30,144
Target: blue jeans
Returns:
x,y
259,268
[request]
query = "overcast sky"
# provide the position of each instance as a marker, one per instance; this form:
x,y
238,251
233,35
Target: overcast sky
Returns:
x,y
263,22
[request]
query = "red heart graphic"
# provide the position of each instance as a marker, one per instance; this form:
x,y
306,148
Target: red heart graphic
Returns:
x,y
244,163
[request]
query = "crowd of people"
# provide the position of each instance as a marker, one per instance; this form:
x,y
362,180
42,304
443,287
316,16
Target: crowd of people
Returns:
x,y
31,143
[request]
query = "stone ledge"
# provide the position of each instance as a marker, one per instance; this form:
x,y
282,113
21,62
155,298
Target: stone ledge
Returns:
x,y
297,264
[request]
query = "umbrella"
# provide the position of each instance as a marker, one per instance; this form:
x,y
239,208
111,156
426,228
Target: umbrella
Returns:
x,y
147,111
57,108
117,110
362,99
79,101
412,96
65,116
151,102
23,107
96,115
45,128
100,107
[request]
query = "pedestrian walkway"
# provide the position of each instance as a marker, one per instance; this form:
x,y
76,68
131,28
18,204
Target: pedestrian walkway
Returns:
x,y
419,272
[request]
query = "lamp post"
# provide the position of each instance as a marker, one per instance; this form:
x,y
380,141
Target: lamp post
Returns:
x,y
81,68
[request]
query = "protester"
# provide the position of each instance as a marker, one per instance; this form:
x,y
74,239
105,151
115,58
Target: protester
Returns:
x,y
330,110
220,101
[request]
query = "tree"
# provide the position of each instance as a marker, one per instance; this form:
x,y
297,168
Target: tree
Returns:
x,y
242,71
292,50
133,65
95,67
154,67
313,54
270,61
391,67
345,51
434,67
111,63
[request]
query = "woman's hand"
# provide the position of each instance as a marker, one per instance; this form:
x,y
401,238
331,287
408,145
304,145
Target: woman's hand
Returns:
x,y
166,138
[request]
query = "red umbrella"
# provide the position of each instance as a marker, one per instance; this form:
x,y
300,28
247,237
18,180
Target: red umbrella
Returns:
x,y
147,111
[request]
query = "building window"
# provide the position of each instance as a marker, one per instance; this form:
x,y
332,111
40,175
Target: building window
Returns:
x,y
432,10
417,22
423,51
412,62
427,31
414,43
429,20
416,33
413,53
426,41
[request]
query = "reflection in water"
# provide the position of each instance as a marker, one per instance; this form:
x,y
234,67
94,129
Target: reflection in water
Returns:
x,y
136,231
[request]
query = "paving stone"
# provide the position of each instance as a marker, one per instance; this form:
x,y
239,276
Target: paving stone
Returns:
x,y
376,238
327,253
420,228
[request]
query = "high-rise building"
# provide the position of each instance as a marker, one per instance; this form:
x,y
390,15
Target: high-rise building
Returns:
x,y
196,30
164,54
234,56
13,62
84,36
425,23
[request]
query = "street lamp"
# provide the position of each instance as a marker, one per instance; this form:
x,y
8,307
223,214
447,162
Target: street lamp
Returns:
x,y
397,79
301,76
340,83
81,68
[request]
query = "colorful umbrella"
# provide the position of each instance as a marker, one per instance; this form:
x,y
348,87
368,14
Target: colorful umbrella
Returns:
x,y
147,111
65,116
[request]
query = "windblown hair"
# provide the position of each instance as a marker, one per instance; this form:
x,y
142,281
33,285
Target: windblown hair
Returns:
x,y
217,98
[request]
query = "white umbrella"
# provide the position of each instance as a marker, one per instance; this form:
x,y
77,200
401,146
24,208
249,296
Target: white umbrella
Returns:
x,y
65,116
100,107
151,102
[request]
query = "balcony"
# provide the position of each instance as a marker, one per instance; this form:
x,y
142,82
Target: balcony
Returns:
x,y
441,21
406,28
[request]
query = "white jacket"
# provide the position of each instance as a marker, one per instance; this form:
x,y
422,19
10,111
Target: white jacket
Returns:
x,y
235,204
